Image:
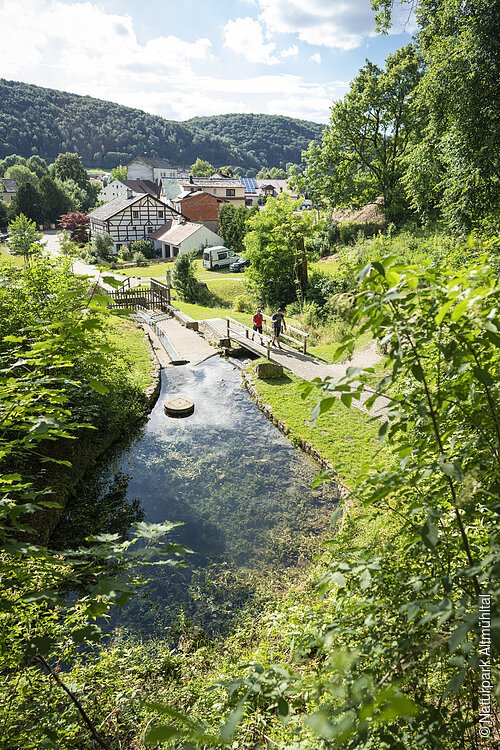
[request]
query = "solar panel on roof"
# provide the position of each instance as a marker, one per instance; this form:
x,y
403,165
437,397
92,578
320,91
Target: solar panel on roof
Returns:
x,y
249,183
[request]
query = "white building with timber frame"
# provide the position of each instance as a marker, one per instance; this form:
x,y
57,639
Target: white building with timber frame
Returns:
x,y
135,217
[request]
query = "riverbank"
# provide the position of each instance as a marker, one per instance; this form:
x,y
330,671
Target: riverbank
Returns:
x,y
132,350
344,440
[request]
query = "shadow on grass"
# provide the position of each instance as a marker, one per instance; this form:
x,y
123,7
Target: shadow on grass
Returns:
x,y
284,380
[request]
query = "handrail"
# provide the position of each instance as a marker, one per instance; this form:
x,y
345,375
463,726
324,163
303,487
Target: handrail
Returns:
x,y
246,331
302,343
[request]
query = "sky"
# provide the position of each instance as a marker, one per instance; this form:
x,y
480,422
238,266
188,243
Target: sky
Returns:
x,y
184,58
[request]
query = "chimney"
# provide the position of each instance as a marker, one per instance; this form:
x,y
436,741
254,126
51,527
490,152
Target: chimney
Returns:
x,y
130,194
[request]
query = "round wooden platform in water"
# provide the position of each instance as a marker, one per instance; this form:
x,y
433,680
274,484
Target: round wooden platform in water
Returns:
x,y
179,407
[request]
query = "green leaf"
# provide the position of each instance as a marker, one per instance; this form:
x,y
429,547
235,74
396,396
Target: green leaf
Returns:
x,y
320,723
231,724
162,733
98,387
459,310
430,534
483,376
451,469
338,578
458,636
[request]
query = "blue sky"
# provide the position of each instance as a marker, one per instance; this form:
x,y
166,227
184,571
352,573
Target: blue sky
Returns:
x,y
197,57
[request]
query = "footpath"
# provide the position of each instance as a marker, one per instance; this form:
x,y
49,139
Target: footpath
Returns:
x,y
173,341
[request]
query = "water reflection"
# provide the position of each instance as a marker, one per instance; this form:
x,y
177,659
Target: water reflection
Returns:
x,y
240,488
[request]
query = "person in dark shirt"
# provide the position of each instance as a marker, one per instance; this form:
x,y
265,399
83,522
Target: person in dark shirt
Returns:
x,y
278,321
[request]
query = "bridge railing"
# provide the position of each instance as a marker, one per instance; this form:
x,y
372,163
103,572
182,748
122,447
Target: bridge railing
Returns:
x,y
300,338
240,329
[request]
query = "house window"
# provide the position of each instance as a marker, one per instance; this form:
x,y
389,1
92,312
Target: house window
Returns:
x,y
135,214
230,192
160,214
118,248
150,230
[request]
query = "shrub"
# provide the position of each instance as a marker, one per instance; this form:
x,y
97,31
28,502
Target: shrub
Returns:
x,y
242,303
184,279
102,245
145,247
140,259
125,253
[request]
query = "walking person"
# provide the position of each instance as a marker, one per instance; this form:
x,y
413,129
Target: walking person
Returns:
x,y
278,321
258,320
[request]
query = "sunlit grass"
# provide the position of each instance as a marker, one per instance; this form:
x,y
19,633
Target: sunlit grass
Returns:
x,y
345,437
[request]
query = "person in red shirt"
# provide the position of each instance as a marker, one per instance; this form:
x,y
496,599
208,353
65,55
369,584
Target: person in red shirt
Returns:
x,y
258,320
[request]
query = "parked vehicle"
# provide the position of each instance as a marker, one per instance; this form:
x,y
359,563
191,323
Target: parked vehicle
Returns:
x,y
239,265
218,257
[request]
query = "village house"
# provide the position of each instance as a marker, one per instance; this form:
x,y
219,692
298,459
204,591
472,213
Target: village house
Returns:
x,y
118,189
227,189
152,168
179,236
8,190
200,207
134,217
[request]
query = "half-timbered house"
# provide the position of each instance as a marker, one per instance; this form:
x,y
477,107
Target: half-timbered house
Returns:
x,y
135,217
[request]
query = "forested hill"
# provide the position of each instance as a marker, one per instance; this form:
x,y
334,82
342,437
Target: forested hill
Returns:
x,y
273,139
48,122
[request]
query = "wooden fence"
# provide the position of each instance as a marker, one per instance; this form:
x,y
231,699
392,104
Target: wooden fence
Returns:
x,y
154,297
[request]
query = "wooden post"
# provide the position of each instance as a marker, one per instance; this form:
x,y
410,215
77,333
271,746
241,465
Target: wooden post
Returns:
x,y
304,346
228,329
269,350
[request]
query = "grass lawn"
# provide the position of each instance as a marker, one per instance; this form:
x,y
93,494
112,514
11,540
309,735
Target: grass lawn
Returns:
x,y
129,339
344,436
13,260
155,270
325,266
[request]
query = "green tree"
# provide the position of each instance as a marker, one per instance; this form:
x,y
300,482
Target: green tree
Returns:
x,y
24,237
119,173
233,225
21,175
276,247
102,245
69,166
75,194
273,173
29,202
10,161
38,166
202,168
362,152
184,279
55,200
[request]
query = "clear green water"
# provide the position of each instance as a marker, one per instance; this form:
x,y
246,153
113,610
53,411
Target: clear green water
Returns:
x,y
242,491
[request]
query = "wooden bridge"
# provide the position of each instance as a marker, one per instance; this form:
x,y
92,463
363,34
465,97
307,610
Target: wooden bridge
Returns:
x,y
260,344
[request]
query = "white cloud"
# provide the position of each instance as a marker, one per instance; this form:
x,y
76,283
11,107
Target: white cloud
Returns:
x,y
338,24
245,36
79,47
316,58
292,51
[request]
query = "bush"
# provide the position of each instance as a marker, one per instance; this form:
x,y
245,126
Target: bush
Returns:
x,y
125,253
145,247
242,303
102,245
140,259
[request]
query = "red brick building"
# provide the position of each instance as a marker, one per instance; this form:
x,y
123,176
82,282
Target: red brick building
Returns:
x,y
200,207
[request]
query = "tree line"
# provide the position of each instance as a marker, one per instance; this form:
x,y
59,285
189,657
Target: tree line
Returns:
x,y
45,122
423,131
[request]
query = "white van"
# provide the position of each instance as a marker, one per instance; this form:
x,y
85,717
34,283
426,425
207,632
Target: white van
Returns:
x,y
218,257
